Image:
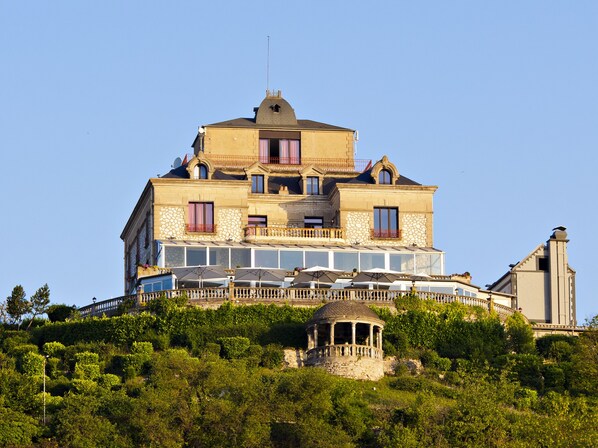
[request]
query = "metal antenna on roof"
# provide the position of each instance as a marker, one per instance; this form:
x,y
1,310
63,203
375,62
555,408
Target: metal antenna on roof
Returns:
x,y
268,69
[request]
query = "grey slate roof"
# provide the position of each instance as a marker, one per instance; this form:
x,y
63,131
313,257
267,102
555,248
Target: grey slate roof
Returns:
x,y
301,124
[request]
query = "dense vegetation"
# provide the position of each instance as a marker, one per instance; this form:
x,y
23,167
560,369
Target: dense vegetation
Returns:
x,y
176,376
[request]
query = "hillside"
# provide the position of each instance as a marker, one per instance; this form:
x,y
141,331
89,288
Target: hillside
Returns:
x,y
191,377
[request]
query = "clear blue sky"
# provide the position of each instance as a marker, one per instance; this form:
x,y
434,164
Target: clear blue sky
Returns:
x,y
494,102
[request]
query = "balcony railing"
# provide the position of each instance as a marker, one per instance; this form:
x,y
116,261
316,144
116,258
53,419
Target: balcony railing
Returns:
x,y
362,351
201,228
252,233
389,234
210,297
327,164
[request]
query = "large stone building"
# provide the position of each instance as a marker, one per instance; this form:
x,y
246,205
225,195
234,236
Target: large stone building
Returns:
x,y
273,190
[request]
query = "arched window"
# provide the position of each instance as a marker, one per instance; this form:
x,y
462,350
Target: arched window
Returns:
x,y
200,172
384,177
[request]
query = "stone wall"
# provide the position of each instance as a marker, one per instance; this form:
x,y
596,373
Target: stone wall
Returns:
x,y
413,229
355,367
358,227
229,224
293,358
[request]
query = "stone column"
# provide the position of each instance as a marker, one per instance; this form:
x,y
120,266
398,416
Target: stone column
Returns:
x,y
380,338
371,344
332,333
315,335
353,333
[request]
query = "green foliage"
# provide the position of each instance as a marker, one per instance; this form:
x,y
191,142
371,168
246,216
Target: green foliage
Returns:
x,y
17,306
544,343
87,366
39,302
234,347
520,336
272,356
32,365
17,428
60,312
54,349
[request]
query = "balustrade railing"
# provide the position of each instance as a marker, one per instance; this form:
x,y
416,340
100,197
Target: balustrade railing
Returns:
x,y
364,351
326,164
293,232
200,296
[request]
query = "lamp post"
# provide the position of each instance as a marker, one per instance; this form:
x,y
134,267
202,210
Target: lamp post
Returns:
x,y
44,379
93,309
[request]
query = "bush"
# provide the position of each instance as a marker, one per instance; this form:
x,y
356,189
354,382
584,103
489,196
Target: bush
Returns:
x,y
273,356
60,312
234,347
544,344
54,349
32,364
142,348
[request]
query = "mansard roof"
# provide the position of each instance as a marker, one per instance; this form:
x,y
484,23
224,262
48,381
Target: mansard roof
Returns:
x,y
293,183
301,125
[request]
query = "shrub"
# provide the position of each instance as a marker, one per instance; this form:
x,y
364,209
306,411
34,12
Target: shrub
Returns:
x,y
234,347
54,349
142,348
108,381
32,364
60,312
273,356
544,344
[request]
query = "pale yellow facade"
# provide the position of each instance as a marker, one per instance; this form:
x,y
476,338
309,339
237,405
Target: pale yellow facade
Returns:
x,y
278,181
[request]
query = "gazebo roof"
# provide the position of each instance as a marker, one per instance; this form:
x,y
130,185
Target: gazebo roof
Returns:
x,y
345,310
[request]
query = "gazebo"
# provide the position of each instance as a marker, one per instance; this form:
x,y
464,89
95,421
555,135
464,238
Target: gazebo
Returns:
x,y
345,338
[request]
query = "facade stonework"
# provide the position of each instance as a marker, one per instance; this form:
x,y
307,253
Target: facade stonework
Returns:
x,y
172,223
414,229
230,224
354,367
358,227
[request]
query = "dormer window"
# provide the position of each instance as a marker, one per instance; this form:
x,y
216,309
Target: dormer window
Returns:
x,y
275,108
385,177
200,172
257,183
312,185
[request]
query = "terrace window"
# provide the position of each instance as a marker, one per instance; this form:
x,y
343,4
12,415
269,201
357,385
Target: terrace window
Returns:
x,y
257,221
386,222
278,147
201,217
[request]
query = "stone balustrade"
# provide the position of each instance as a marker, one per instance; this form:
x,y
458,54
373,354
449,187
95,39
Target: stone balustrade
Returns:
x,y
302,296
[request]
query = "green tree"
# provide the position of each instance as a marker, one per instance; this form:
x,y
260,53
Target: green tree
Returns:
x,y
520,336
60,312
17,305
39,303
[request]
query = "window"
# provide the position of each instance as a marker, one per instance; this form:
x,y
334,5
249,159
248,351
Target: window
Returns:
x,y
312,185
257,183
386,222
200,172
384,177
257,221
542,264
201,217
280,147
313,222
148,230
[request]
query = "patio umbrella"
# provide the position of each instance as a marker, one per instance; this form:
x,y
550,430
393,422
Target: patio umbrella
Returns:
x,y
260,274
318,274
420,276
199,273
378,275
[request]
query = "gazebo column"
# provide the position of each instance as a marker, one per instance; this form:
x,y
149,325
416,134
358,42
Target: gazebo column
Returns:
x,y
380,338
332,333
315,335
371,344
353,333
